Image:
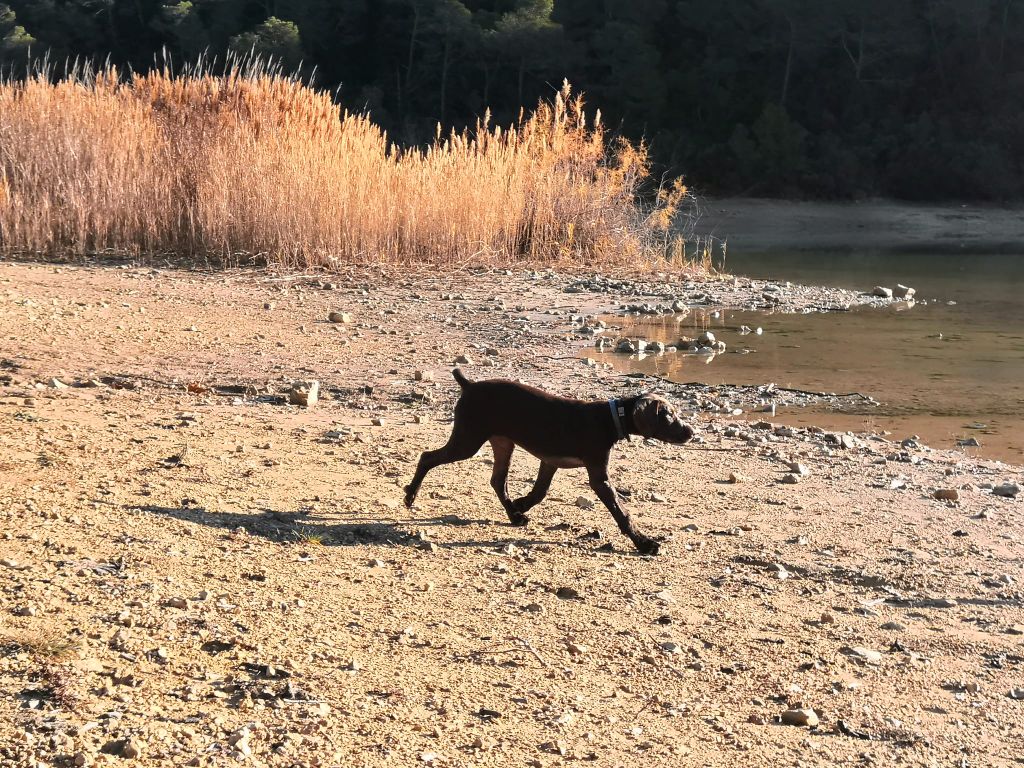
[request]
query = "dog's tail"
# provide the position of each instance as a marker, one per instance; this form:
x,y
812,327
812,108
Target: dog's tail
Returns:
x,y
461,378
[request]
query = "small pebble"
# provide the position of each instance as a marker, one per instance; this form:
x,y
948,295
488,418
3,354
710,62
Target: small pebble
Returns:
x,y
801,717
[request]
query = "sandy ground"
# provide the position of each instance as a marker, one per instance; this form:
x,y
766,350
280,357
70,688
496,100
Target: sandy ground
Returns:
x,y
195,574
749,224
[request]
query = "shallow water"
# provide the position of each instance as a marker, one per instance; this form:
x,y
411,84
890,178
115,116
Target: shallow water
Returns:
x,y
941,370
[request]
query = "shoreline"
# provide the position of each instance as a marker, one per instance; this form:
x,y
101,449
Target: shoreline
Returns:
x,y
764,225
580,300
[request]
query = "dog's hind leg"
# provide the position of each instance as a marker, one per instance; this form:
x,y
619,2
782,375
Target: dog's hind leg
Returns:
x,y
503,448
461,445
540,489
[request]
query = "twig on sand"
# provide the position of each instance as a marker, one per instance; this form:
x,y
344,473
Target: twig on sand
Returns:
x,y
666,665
644,708
524,644
674,671
762,587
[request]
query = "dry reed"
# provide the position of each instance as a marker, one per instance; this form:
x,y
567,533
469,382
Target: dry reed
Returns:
x,y
253,165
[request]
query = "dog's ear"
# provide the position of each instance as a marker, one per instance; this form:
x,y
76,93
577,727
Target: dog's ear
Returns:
x,y
645,414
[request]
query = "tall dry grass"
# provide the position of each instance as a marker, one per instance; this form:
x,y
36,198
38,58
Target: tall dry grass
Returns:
x,y
256,165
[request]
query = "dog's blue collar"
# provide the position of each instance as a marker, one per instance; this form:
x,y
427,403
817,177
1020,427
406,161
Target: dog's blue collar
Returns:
x,y
618,414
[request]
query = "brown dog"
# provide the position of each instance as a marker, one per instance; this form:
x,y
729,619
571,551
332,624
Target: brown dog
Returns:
x,y
563,433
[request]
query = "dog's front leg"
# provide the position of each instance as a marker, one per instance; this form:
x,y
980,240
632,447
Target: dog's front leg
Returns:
x,y
604,490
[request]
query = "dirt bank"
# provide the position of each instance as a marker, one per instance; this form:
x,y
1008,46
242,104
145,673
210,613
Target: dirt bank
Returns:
x,y
195,572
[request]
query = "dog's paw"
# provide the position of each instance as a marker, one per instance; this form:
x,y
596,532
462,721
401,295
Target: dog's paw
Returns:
x,y
410,497
648,546
519,521
520,505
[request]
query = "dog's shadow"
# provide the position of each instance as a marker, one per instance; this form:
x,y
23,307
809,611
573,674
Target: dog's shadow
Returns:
x,y
302,527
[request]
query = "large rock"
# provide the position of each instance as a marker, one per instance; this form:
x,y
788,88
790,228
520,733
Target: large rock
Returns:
x,y
882,292
903,292
304,393
1009,490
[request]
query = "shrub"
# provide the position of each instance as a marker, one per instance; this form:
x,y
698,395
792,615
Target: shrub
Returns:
x,y
255,165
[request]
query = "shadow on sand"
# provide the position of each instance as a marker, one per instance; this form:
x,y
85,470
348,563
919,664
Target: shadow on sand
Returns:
x,y
300,526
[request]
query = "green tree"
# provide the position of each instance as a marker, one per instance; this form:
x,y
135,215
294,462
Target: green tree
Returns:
x,y
181,23
274,39
769,156
453,29
528,37
14,40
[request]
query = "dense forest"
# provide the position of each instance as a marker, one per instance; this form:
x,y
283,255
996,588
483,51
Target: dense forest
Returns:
x,y
917,99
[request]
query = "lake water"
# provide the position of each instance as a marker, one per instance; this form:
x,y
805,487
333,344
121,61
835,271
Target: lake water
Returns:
x,y
948,368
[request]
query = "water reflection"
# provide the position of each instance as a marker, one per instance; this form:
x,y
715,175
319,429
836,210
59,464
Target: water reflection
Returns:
x,y
940,367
